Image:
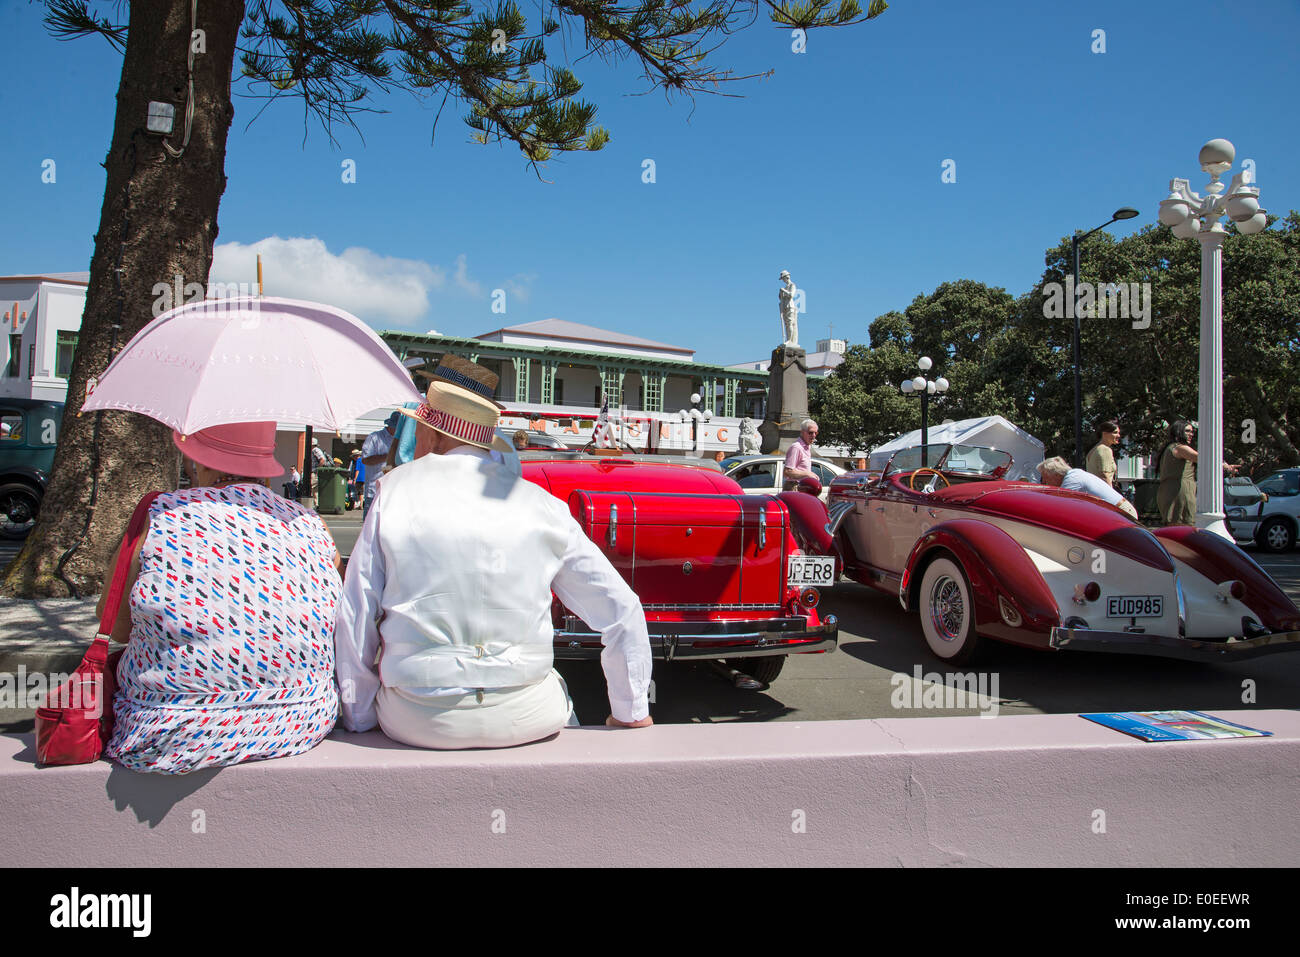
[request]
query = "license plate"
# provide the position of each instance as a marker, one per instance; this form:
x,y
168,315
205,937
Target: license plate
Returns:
x,y
1135,606
811,570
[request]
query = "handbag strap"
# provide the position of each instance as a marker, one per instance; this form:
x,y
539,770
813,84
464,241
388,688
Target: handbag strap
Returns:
x,y
139,518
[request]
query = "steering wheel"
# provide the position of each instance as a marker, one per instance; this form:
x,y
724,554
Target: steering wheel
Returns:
x,y
911,482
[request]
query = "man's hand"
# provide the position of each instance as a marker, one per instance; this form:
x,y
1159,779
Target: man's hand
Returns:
x,y
613,722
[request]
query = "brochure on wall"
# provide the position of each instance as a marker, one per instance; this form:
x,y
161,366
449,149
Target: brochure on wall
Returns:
x,y
1173,725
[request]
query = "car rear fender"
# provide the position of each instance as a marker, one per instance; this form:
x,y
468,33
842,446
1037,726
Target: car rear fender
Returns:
x,y
1011,598
1220,560
809,521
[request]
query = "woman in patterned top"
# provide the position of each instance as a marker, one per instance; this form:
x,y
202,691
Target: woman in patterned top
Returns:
x,y
229,617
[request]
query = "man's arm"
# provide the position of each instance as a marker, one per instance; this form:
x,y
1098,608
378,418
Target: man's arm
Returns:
x,y
356,632
590,587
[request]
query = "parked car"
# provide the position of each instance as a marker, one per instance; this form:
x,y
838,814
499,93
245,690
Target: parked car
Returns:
x,y
1272,523
766,473
29,432
981,558
720,573
536,440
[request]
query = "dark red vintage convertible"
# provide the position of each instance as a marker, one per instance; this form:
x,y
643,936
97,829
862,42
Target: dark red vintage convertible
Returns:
x,y
720,574
980,558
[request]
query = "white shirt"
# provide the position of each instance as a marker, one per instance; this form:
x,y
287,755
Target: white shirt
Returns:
x,y
1079,480
586,583
376,443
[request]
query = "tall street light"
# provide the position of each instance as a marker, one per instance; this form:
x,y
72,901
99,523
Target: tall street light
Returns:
x,y
695,415
1124,212
1191,216
925,388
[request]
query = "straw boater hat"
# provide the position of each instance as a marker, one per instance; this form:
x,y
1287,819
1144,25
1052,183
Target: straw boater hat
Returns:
x,y
459,404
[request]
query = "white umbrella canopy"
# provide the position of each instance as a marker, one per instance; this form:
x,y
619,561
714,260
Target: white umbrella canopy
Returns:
x,y
253,360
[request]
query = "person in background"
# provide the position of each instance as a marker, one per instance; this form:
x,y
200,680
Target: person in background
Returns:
x,y
450,587
520,439
1101,460
356,479
374,453
1176,495
230,619
798,458
1057,473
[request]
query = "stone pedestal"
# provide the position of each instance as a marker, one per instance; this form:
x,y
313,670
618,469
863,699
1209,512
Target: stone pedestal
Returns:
x,y
787,399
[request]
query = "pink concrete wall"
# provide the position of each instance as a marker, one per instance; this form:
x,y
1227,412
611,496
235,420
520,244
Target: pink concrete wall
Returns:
x,y
924,791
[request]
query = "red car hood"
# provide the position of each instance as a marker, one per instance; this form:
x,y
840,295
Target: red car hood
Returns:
x,y
1071,513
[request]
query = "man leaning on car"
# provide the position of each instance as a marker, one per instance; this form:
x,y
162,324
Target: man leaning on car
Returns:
x,y
1057,472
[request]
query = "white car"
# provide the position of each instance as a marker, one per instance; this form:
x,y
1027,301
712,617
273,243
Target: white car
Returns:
x,y
765,473
1271,524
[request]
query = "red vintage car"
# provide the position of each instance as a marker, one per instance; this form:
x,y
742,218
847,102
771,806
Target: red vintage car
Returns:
x,y
720,574
983,558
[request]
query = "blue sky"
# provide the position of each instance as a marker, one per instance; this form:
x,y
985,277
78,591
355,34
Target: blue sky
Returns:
x,y
831,168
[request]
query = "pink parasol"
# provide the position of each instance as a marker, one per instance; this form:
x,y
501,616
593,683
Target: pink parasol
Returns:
x,y
253,360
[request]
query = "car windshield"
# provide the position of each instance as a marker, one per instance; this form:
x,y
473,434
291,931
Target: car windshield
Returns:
x,y
966,459
1281,484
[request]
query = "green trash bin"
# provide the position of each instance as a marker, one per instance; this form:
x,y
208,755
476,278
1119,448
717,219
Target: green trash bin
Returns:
x,y
331,489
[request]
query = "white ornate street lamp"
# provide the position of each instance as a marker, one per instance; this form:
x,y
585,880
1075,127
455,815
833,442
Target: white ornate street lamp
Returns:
x,y
1191,216
925,388
695,416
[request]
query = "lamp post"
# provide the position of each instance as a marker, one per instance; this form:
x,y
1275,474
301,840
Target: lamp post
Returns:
x,y
695,415
1191,216
926,388
1124,212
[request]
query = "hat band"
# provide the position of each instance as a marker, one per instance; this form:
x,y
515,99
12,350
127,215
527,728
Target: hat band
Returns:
x,y
464,381
454,425
218,444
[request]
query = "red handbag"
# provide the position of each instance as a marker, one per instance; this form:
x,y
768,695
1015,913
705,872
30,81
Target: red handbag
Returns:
x,y
77,720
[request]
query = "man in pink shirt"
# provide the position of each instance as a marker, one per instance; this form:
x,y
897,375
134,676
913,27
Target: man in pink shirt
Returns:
x,y
798,458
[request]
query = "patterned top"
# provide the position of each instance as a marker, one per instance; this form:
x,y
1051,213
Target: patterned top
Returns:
x,y
231,654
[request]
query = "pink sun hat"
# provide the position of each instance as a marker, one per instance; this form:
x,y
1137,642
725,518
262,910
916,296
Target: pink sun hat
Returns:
x,y
242,449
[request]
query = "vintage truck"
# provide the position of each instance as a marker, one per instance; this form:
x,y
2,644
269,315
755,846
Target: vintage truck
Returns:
x,y
720,574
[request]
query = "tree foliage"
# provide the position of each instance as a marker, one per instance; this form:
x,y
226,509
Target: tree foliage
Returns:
x,y
1014,358
332,54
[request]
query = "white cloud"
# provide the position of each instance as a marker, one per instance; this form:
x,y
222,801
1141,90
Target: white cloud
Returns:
x,y
372,286
520,285
471,286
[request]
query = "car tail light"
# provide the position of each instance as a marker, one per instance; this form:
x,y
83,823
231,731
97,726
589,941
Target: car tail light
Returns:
x,y
1231,589
809,597
1086,593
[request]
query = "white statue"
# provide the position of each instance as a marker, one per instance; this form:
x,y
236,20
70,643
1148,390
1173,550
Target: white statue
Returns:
x,y
786,295
750,440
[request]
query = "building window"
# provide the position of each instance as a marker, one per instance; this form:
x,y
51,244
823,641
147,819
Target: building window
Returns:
x,y
14,368
652,391
31,361
63,353
558,389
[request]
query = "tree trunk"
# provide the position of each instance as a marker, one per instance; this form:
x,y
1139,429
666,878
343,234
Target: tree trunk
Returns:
x,y
159,220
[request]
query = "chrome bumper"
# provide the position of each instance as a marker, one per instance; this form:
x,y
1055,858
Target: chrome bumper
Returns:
x,y
670,640
1120,642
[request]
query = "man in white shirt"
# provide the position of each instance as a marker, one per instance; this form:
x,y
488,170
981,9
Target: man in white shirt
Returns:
x,y
450,584
374,453
1057,472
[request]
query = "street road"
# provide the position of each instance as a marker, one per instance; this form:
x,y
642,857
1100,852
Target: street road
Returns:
x,y
878,642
